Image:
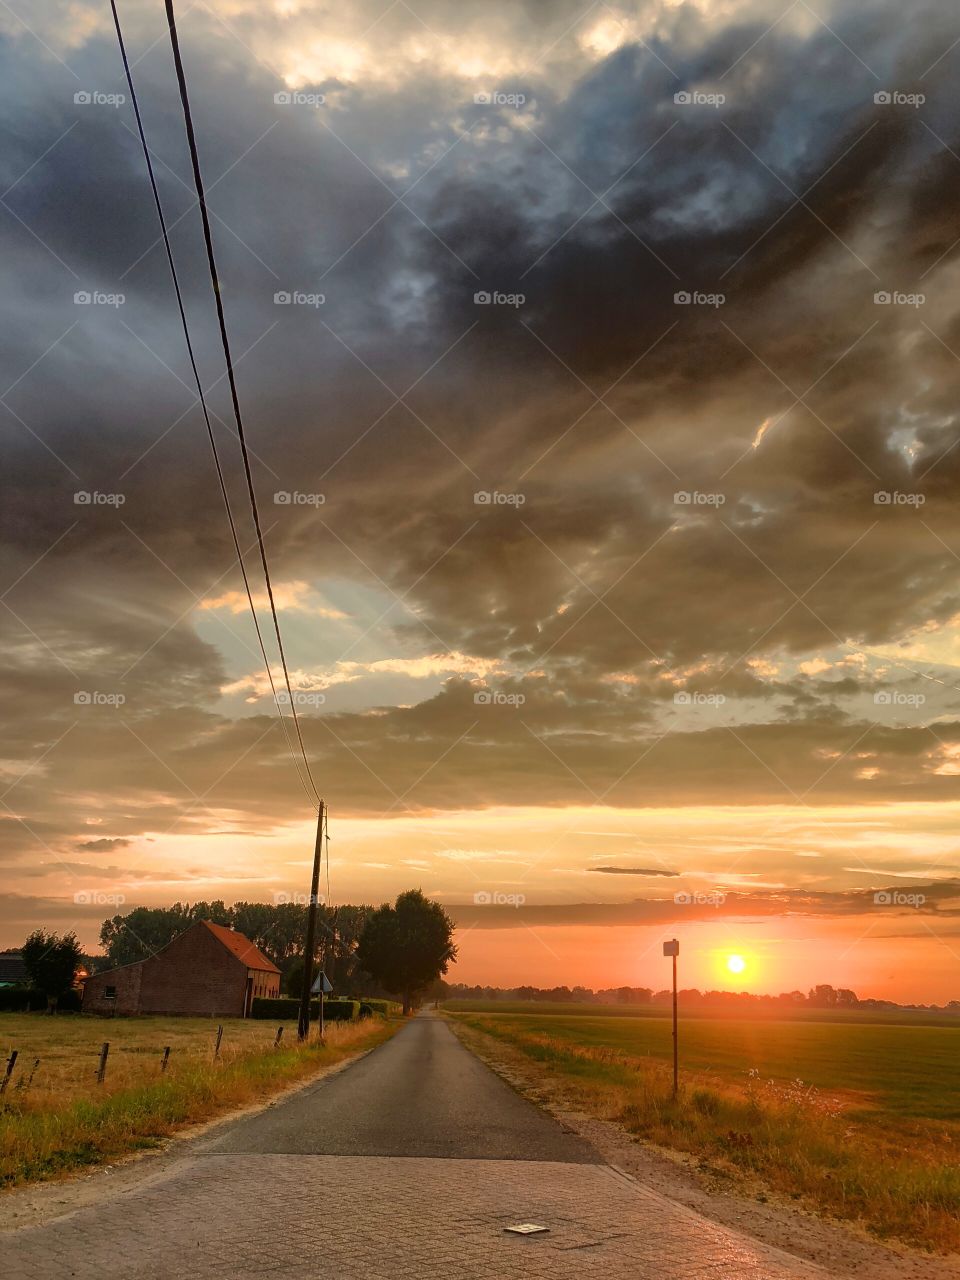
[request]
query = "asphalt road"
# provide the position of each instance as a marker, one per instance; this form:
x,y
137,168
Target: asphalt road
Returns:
x,y
420,1094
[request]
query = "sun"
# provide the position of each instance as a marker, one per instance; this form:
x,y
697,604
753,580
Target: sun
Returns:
x,y
736,964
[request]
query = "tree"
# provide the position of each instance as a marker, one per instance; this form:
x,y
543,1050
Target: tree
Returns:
x,y
406,946
338,940
143,931
277,929
293,979
823,996
52,962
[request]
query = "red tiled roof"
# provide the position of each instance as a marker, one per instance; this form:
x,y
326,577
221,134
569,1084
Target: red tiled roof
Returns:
x,y
241,947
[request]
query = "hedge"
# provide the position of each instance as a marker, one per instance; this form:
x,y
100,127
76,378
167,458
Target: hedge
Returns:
x,y
386,1008
288,1009
26,1000
341,1010
21,999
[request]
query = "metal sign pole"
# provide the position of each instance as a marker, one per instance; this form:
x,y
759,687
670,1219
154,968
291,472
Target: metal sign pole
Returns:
x,y
672,948
676,1047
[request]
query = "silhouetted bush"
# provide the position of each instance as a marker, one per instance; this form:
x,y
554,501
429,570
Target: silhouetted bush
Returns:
x,y
289,1010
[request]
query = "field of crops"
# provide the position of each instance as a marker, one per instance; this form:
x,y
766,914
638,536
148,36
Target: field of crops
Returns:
x,y
857,1117
894,1067
711,1013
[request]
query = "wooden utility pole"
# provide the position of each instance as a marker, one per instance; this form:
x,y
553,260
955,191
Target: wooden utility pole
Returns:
x,y
303,1028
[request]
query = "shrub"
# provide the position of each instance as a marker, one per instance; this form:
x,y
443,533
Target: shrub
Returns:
x,y
21,999
288,1010
341,1010
28,1000
285,1009
386,1008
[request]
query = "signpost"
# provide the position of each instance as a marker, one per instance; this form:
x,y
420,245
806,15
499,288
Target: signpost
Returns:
x,y
322,987
672,948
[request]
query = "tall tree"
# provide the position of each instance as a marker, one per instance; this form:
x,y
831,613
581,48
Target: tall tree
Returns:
x,y
52,961
277,929
407,946
143,931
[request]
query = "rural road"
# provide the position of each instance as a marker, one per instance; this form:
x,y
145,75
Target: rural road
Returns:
x,y
422,1094
409,1163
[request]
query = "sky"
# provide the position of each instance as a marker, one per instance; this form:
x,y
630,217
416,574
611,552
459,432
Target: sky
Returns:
x,y
599,366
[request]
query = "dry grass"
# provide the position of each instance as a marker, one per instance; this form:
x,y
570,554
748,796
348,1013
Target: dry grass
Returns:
x,y
63,1119
899,1177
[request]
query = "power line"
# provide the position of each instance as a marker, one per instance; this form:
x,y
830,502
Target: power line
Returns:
x,y
212,438
215,281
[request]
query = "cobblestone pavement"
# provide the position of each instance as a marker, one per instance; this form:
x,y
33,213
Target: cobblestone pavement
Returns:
x,y
388,1218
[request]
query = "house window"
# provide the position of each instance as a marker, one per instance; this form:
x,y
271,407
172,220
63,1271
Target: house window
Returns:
x,y
110,993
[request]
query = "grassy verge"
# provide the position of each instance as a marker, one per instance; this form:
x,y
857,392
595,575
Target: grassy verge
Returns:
x,y
898,1176
64,1120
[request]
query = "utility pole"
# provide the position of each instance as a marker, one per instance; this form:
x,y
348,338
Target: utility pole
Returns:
x,y
672,948
303,1028
333,949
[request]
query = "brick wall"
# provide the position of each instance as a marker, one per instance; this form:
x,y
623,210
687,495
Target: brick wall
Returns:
x,y
194,974
124,982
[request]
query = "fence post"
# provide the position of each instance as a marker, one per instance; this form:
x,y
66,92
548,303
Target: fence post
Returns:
x,y
102,1069
216,1050
276,1043
166,1059
11,1063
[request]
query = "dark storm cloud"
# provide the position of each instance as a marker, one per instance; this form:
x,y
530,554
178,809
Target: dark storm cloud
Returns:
x,y
601,571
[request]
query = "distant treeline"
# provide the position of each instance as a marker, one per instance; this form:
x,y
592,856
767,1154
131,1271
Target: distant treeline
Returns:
x,y
819,997
278,929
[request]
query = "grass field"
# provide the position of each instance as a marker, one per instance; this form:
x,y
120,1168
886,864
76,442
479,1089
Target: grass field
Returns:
x,y
64,1119
887,1067
560,1009
856,1117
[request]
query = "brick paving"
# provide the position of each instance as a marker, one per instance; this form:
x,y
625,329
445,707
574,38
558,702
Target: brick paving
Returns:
x,y
387,1218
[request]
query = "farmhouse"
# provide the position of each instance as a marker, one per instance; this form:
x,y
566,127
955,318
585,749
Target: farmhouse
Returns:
x,y
207,971
13,972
